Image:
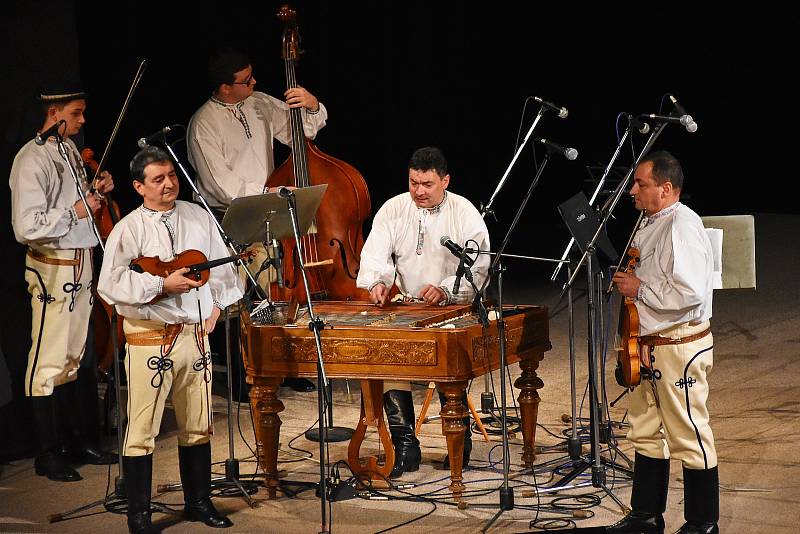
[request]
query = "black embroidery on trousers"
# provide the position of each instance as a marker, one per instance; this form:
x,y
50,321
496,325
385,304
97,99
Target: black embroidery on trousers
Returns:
x,y
159,364
72,289
689,406
656,372
46,299
688,382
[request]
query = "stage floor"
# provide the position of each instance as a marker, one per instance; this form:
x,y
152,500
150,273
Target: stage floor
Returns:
x,y
754,404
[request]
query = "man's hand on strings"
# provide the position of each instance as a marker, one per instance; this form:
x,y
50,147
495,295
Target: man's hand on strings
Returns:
x,y
378,295
298,97
105,183
432,295
627,284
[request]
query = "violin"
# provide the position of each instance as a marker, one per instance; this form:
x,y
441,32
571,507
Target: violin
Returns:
x,y
629,369
109,214
194,260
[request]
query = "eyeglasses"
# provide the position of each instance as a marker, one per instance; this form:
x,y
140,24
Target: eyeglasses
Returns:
x,y
247,81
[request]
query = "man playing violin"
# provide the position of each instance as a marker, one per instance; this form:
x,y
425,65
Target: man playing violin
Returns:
x,y
167,350
50,218
230,138
404,248
672,290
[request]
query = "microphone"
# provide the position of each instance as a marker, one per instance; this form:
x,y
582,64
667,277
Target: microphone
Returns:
x,y
562,111
684,120
457,250
569,153
284,192
678,107
160,135
41,138
459,273
641,126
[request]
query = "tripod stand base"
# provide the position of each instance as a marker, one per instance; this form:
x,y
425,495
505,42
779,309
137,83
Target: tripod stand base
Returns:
x,y
333,434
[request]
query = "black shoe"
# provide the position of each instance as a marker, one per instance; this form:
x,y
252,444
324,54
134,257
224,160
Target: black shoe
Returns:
x,y
638,523
399,406
406,460
53,466
203,510
92,456
140,523
303,385
705,528
195,468
138,474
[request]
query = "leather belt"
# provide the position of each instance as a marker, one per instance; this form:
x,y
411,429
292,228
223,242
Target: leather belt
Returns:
x,y
155,338
658,340
38,256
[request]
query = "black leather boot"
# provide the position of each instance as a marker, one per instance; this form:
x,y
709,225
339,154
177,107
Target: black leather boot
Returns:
x,y
303,385
77,404
399,407
49,462
467,435
648,498
700,501
195,466
138,474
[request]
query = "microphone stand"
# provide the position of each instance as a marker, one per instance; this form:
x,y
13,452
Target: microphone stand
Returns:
x,y
597,190
487,397
506,492
594,295
119,483
315,325
62,150
231,479
574,442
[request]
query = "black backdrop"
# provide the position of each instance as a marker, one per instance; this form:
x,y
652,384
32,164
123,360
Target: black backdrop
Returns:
x,y
399,75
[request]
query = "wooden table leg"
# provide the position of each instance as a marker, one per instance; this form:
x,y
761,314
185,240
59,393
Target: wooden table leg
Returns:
x,y
371,416
453,414
265,407
529,399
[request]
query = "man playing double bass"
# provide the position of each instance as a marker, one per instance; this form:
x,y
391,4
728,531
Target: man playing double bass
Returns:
x,y
672,290
230,140
167,340
50,218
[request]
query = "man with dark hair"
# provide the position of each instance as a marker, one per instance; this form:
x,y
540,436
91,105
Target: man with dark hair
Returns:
x,y
50,218
672,290
404,248
167,322
230,137
230,140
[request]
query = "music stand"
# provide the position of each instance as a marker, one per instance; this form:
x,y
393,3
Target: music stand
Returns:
x,y
288,213
249,218
274,223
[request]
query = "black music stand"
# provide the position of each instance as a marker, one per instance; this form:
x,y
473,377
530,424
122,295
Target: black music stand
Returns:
x,y
288,213
273,222
584,225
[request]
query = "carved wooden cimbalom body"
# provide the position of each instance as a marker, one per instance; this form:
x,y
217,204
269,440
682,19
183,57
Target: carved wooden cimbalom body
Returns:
x,y
446,345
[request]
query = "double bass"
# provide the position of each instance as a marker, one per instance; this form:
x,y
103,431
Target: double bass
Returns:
x,y
332,248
